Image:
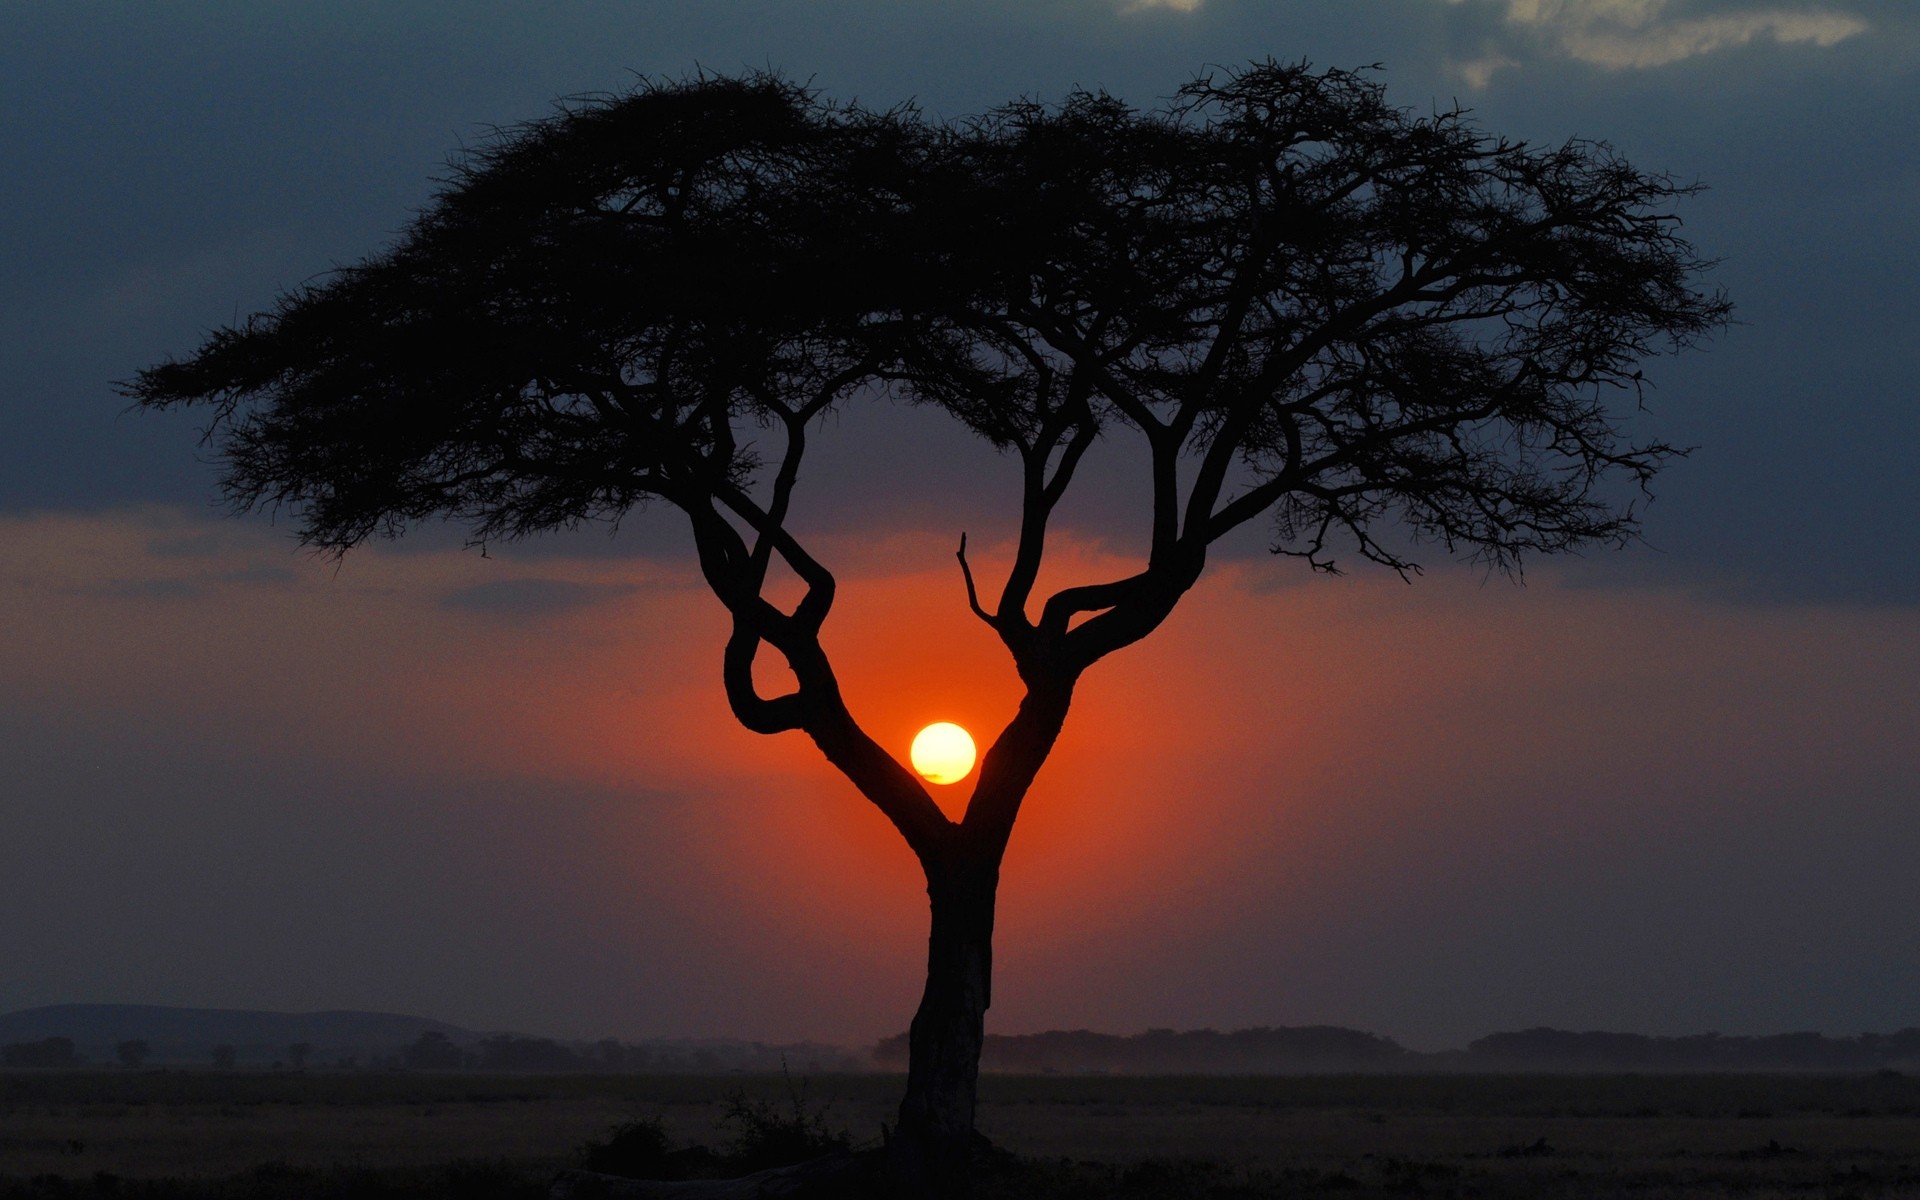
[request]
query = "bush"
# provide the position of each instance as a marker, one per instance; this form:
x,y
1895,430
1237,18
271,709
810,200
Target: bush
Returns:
x,y
636,1149
768,1134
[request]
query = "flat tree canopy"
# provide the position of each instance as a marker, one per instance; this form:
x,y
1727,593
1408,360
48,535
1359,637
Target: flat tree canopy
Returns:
x,y
1366,327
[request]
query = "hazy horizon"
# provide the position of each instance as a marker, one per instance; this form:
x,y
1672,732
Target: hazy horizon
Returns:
x,y
182,1034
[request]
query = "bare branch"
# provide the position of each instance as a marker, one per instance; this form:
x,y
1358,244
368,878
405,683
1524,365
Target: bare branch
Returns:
x,y
973,596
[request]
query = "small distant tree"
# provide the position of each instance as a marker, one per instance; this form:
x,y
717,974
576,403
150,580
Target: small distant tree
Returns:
x,y
298,1053
224,1056
1364,326
432,1051
132,1053
507,1052
612,1054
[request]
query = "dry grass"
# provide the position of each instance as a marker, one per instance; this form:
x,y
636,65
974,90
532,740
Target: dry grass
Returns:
x,y
183,1134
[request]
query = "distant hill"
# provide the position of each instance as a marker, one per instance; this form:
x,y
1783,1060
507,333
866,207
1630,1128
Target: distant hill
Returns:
x,y
190,1034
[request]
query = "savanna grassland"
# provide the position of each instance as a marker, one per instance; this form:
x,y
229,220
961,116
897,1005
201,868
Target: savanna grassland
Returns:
x,y
180,1134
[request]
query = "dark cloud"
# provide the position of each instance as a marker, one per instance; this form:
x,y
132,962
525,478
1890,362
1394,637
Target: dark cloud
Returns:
x,y
259,573
143,589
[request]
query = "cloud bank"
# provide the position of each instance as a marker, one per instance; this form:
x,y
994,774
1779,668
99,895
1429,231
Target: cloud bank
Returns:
x,y
1638,34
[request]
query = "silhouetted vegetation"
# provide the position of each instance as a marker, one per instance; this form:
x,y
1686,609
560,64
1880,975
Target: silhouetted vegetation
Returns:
x,y
770,1132
187,1035
1562,1051
1261,1050
47,1052
637,1149
1304,306
433,1051
506,1052
1324,1048
1166,1052
764,1132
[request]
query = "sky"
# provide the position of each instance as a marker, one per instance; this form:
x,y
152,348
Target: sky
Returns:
x,y
1670,789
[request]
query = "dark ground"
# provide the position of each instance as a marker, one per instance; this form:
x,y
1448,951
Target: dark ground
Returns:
x,y
305,1136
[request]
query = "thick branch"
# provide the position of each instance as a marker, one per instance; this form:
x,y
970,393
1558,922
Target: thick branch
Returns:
x,y
812,610
1011,763
896,791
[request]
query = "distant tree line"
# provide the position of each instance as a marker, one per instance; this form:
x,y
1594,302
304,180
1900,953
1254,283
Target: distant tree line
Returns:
x,y
47,1052
1164,1051
1324,1048
435,1051
1257,1051
1560,1050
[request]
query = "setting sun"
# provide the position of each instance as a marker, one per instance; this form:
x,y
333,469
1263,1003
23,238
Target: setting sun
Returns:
x,y
943,752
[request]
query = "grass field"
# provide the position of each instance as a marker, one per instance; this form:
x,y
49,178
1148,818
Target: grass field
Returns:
x,y
293,1136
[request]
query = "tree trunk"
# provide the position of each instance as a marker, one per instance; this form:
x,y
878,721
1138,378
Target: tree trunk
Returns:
x,y
931,1149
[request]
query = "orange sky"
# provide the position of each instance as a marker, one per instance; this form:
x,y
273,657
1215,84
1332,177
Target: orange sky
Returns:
x,y
1429,811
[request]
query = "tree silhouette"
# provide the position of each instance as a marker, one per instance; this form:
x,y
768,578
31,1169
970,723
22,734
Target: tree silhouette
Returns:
x,y
133,1052
47,1052
1371,328
432,1051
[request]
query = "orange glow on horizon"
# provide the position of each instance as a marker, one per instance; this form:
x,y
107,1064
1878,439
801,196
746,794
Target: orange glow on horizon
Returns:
x,y
1275,758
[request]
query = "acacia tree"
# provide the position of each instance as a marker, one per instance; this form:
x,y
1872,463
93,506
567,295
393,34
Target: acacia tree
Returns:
x,y
1368,327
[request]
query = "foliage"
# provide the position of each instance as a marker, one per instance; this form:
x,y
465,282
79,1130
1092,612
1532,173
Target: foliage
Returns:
x,y
509,1052
636,1148
1305,304
432,1051
1258,1051
1369,314
53,1052
766,1133
777,1134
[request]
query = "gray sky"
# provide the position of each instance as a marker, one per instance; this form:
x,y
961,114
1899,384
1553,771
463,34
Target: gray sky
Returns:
x,y
1669,790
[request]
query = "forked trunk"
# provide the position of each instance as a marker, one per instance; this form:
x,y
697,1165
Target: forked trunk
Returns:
x,y
934,1141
